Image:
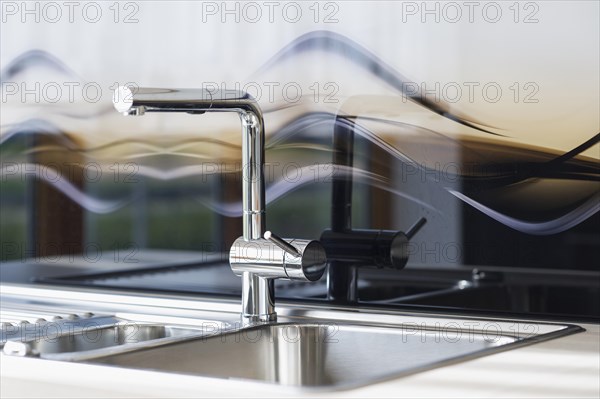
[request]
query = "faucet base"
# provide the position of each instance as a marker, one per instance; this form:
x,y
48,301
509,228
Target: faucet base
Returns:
x,y
258,319
258,298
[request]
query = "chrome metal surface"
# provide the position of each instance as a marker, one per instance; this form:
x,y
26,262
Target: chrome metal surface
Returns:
x,y
138,101
313,346
258,298
281,243
255,259
268,259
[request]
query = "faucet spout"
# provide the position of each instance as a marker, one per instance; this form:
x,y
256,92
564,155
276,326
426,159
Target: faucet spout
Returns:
x,y
138,101
256,259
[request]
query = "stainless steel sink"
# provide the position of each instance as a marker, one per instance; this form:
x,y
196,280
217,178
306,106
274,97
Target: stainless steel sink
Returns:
x,y
312,346
82,339
317,355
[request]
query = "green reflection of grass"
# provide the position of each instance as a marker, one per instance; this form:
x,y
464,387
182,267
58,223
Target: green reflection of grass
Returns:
x,y
179,224
167,223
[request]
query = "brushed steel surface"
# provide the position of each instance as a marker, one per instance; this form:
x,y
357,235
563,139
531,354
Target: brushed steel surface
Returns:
x,y
327,354
94,338
312,347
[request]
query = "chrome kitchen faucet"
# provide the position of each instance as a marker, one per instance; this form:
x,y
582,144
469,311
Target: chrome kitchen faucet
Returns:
x,y
259,256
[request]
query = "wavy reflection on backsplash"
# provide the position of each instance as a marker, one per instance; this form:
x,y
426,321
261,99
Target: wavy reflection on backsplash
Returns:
x,y
518,185
62,184
574,211
283,187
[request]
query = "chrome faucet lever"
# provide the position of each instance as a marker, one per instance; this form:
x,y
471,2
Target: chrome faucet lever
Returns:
x,y
256,259
281,243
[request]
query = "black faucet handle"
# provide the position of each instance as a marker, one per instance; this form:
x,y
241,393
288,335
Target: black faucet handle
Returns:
x,y
361,247
414,229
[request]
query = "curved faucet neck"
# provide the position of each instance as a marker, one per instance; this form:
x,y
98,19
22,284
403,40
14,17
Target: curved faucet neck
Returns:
x,y
139,100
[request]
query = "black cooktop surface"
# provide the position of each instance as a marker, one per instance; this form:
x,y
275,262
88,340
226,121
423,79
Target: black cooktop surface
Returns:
x,y
543,293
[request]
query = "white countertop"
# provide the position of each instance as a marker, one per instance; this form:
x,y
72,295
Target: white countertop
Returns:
x,y
562,367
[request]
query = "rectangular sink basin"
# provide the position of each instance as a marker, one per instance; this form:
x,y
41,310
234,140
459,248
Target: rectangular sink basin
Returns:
x,y
328,355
